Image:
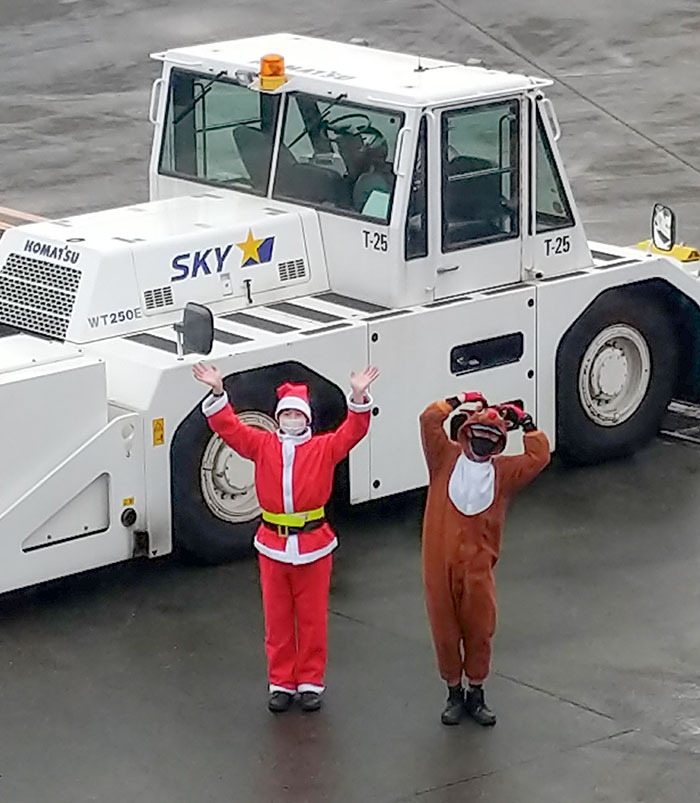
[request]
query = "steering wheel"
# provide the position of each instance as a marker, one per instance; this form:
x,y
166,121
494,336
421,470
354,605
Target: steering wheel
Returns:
x,y
332,125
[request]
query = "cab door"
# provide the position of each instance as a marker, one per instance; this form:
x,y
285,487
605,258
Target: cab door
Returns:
x,y
476,168
557,241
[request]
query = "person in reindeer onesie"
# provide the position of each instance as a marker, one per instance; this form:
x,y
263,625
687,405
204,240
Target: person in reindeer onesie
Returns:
x,y
470,486
294,479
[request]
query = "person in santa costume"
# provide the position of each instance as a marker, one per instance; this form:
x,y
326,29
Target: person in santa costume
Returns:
x,y
294,479
469,490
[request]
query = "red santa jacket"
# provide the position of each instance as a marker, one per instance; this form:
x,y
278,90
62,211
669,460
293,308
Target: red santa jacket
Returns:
x,y
293,473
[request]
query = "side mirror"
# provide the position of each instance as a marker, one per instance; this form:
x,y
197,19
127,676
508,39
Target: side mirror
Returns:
x,y
195,335
663,228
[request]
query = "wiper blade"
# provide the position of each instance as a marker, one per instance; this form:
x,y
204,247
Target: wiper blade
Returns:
x,y
199,97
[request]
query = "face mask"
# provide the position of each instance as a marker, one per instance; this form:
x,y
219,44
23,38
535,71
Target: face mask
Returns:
x,y
293,429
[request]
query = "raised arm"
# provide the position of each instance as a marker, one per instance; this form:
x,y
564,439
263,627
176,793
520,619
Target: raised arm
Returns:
x,y
356,423
518,470
244,439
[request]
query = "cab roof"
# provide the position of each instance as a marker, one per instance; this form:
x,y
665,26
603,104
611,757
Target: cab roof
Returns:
x,y
321,66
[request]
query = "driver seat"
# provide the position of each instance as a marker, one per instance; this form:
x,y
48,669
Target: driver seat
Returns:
x,y
255,149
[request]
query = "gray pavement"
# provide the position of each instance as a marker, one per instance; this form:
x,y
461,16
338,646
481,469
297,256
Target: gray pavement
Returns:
x,y
146,681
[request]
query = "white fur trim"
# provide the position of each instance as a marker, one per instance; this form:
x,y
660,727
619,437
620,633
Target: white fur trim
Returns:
x,y
273,687
311,687
297,440
291,552
365,407
293,403
214,404
288,451
472,486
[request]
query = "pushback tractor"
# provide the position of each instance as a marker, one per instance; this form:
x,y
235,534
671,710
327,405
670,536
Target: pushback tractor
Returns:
x,y
315,207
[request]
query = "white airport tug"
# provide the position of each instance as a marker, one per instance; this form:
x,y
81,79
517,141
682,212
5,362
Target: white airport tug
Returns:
x,y
332,206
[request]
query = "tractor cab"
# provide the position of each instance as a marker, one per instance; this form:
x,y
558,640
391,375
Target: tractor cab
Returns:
x,y
430,179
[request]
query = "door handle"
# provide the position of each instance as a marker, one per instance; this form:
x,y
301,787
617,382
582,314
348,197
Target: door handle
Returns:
x,y
448,270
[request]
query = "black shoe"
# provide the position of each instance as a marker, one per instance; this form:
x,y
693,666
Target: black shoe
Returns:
x,y
279,701
477,708
454,710
310,701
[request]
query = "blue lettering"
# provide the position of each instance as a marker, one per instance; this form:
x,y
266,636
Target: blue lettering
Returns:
x,y
180,264
200,261
221,256
29,245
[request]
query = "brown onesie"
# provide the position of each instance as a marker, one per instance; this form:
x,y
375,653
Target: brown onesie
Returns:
x,y
460,551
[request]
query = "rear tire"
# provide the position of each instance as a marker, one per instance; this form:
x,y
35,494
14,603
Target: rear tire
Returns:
x,y
616,372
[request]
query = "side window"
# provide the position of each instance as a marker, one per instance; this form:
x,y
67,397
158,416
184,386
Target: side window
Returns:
x,y
417,216
552,206
480,175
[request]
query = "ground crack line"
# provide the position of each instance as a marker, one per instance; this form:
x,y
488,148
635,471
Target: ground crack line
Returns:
x,y
514,765
569,86
555,696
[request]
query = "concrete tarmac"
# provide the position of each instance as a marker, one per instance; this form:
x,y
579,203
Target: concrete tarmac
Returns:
x,y
146,681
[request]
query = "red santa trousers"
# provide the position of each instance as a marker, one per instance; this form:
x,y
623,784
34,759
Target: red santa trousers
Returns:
x,y
295,603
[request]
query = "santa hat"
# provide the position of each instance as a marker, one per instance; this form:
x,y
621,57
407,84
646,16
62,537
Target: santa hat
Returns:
x,y
293,397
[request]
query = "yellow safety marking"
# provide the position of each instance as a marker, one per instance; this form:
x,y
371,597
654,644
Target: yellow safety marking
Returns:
x,y
683,253
158,431
128,501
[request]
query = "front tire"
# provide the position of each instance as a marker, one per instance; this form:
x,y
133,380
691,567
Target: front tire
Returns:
x,y
616,372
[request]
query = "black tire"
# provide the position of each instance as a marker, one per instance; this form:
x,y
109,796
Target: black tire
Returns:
x,y
580,438
199,535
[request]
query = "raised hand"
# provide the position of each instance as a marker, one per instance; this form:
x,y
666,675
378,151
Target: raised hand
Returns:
x,y
516,417
209,375
473,397
361,381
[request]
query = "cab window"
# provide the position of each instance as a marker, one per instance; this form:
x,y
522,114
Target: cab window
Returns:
x,y
553,210
417,218
480,175
218,132
338,156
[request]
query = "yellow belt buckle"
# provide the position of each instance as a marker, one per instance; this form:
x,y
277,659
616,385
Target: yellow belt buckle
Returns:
x,y
283,530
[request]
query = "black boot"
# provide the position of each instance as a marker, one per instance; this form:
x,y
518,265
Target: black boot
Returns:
x,y
454,710
279,701
310,701
477,708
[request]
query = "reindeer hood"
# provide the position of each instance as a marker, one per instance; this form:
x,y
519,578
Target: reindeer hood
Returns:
x,y
483,435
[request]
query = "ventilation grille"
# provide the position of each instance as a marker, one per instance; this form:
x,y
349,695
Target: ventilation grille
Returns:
x,y
294,269
37,295
158,297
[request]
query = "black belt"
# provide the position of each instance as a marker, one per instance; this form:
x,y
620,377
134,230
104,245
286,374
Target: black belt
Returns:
x,y
283,531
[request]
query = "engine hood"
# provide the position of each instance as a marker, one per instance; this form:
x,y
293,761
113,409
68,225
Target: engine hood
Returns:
x,y
129,269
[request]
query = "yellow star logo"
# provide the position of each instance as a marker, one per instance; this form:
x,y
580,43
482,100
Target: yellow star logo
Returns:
x,y
250,248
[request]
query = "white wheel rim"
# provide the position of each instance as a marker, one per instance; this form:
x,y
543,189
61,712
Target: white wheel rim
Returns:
x,y
614,375
227,479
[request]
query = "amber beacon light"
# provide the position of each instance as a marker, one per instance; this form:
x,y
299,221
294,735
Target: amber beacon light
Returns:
x,y
272,71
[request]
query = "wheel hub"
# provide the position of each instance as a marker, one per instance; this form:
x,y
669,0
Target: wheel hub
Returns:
x,y
614,375
609,373
228,480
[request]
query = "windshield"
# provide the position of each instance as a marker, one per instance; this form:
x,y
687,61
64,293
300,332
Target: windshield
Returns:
x,y
334,154
218,132
338,155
